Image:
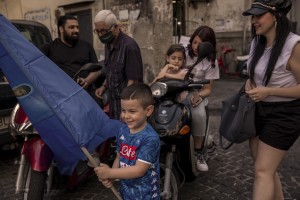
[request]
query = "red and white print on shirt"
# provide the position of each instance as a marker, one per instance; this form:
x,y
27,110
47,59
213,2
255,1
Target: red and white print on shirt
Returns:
x,y
128,152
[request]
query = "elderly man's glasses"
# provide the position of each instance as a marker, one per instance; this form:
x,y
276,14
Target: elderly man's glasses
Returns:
x,y
102,31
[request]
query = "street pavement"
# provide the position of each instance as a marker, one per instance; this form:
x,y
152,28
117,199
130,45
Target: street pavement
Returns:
x,y
230,175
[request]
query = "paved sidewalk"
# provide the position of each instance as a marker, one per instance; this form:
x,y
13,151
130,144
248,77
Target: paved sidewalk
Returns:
x,y
230,175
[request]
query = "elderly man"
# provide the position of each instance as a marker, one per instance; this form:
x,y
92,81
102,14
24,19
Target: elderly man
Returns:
x,y
123,61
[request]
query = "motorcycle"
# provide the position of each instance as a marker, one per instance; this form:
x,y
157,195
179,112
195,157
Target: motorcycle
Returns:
x,y
233,67
172,121
37,172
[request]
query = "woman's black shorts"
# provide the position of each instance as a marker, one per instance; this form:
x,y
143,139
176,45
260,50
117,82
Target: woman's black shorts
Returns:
x,y
278,123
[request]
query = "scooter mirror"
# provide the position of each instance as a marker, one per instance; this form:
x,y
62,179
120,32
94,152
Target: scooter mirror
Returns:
x,y
205,49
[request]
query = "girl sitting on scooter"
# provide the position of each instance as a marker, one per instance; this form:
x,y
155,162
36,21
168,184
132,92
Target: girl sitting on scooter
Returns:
x,y
175,62
207,69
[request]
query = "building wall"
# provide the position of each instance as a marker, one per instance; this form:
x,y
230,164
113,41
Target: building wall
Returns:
x,y
150,22
12,9
147,21
225,17
295,14
219,14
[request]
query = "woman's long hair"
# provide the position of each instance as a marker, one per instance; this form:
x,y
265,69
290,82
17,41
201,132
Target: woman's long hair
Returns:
x,y
206,34
283,29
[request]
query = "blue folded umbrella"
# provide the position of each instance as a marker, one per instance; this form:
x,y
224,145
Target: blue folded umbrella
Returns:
x,y
63,113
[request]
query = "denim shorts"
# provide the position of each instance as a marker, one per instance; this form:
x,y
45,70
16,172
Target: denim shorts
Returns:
x,y
278,123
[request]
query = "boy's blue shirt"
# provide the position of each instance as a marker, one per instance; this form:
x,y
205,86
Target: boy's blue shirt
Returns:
x,y
145,147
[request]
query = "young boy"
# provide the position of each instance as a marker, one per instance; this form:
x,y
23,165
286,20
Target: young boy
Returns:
x,y
138,147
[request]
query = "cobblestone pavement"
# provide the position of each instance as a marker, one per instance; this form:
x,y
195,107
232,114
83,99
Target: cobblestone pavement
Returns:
x,y
230,174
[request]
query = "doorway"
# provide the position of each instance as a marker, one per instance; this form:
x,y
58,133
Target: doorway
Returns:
x,y
178,19
85,24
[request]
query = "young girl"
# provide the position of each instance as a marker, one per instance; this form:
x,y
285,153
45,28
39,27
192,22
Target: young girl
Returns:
x,y
175,62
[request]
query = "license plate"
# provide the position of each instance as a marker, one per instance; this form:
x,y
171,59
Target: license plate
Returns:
x,y
4,122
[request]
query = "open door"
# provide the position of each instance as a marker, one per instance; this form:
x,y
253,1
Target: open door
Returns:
x,y
178,19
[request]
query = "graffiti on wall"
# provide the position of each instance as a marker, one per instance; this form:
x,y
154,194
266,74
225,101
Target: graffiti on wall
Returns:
x,y
43,16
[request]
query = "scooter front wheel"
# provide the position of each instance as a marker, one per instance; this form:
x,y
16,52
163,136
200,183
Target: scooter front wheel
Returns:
x,y
174,184
37,185
34,186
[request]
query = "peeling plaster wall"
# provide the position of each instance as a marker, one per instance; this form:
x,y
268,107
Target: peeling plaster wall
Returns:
x,y
162,31
295,15
218,14
150,22
44,16
152,30
42,11
11,9
225,17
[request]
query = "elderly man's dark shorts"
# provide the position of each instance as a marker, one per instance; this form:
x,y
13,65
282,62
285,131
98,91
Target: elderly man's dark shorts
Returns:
x,y
278,123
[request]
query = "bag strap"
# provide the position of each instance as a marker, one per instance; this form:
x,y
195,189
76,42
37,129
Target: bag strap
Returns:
x,y
240,92
222,145
231,143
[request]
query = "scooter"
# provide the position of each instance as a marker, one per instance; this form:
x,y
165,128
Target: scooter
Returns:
x,y
172,121
37,173
230,66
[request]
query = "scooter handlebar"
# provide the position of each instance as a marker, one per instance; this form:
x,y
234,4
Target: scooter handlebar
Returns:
x,y
202,82
198,84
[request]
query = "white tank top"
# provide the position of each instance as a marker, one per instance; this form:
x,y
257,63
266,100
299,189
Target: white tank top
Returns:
x,y
281,77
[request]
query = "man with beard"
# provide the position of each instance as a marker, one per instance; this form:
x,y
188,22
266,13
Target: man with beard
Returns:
x,y
71,53
123,60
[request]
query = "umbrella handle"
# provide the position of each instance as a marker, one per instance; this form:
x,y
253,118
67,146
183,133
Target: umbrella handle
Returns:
x,y
95,164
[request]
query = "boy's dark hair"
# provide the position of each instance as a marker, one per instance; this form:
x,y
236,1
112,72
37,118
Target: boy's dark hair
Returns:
x,y
139,91
62,20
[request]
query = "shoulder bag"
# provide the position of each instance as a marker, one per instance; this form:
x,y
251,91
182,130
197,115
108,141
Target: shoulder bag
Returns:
x,y
237,119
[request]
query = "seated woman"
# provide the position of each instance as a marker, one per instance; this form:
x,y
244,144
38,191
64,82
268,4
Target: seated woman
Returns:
x,y
196,100
207,69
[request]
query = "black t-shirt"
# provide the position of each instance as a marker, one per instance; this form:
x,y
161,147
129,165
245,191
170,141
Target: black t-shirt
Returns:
x,y
70,59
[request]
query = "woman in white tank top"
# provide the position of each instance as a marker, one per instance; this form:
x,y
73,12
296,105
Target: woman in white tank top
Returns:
x,y
274,68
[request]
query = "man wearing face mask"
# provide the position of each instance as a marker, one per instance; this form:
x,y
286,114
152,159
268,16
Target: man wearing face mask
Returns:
x,y
123,61
71,53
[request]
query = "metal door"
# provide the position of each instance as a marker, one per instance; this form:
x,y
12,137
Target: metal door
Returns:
x,y
85,24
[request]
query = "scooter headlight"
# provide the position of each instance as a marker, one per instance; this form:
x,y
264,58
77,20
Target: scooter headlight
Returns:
x,y
159,89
